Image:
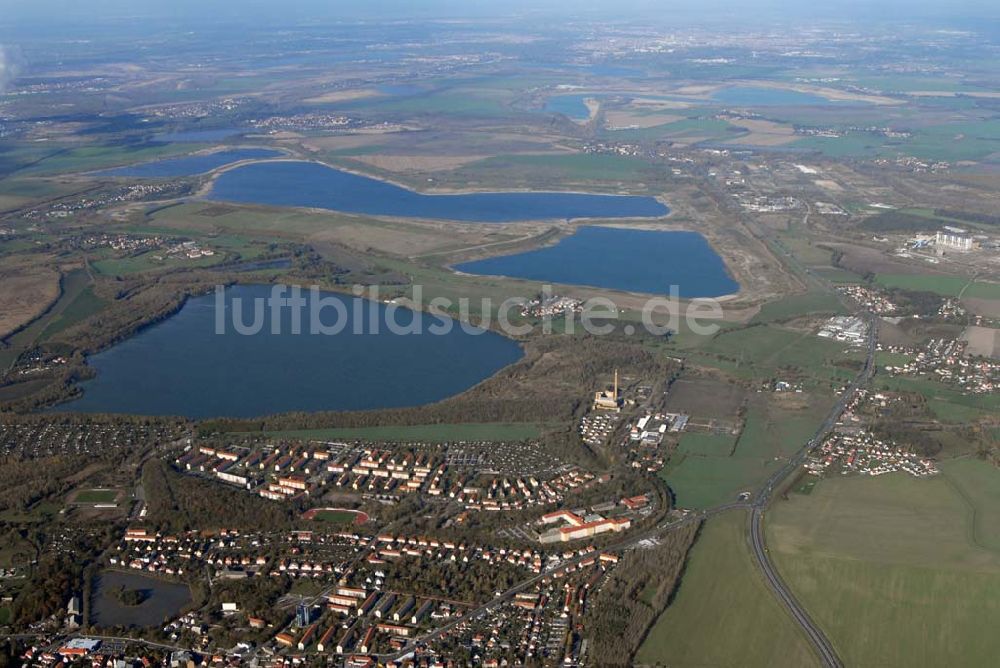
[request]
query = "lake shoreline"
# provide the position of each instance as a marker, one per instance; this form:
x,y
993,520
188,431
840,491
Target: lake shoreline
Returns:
x,y
208,192
172,368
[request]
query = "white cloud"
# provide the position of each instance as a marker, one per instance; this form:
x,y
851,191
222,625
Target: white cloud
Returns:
x,y
10,65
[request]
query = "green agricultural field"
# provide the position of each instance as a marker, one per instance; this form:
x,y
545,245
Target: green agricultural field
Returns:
x,y
460,102
34,189
591,167
700,127
43,512
486,431
708,470
705,129
82,307
762,352
838,275
883,359
712,445
148,261
947,286
938,394
794,306
198,219
96,496
91,158
723,613
73,284
849,146
905,83
955,141
440,282
898,571
953,413
950,142
978,483
702,482
804,249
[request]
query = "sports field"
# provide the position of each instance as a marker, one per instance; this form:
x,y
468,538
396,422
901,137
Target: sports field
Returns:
x,y
336,516
723,613
96,496
899,571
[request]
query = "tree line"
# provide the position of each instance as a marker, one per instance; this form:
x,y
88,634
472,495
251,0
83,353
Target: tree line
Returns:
x,y
635,593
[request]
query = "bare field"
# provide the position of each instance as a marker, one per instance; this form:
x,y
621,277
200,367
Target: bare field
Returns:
x,y
697,89
621,120
403,239
862,259
645,103
418,163
29,288
341,142
989,308
10,202
828,184
894,335
705,398
765,133
824,91
983,341
341,96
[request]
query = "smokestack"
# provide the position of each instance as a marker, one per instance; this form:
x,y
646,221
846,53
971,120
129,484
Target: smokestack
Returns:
x,y
616,386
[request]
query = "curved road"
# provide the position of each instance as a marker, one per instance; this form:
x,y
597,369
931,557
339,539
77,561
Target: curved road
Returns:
x,y
759,502
820,642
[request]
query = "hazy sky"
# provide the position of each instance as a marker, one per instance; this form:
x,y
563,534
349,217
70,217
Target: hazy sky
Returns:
x,y
294,10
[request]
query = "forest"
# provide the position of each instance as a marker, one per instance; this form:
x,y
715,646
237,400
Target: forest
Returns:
x,y
635,594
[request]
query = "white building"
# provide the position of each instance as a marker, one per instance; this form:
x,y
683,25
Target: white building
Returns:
x,y
956,240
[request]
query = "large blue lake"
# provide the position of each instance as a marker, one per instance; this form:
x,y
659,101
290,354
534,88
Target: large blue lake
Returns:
x,y
572,106
620,259
308,184
181,366
190,164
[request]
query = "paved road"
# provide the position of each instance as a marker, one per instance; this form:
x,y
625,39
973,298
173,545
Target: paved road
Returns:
x,y
628,543
757,505
820,642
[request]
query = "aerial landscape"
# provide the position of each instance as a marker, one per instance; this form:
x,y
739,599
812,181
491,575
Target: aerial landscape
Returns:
x,y
494,333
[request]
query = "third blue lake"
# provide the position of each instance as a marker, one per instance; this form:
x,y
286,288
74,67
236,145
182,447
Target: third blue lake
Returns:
x,y
572,106
762,96
308,184
190,164
615,258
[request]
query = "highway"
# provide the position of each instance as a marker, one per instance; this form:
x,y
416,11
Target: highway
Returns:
x,y
756,505
820,642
